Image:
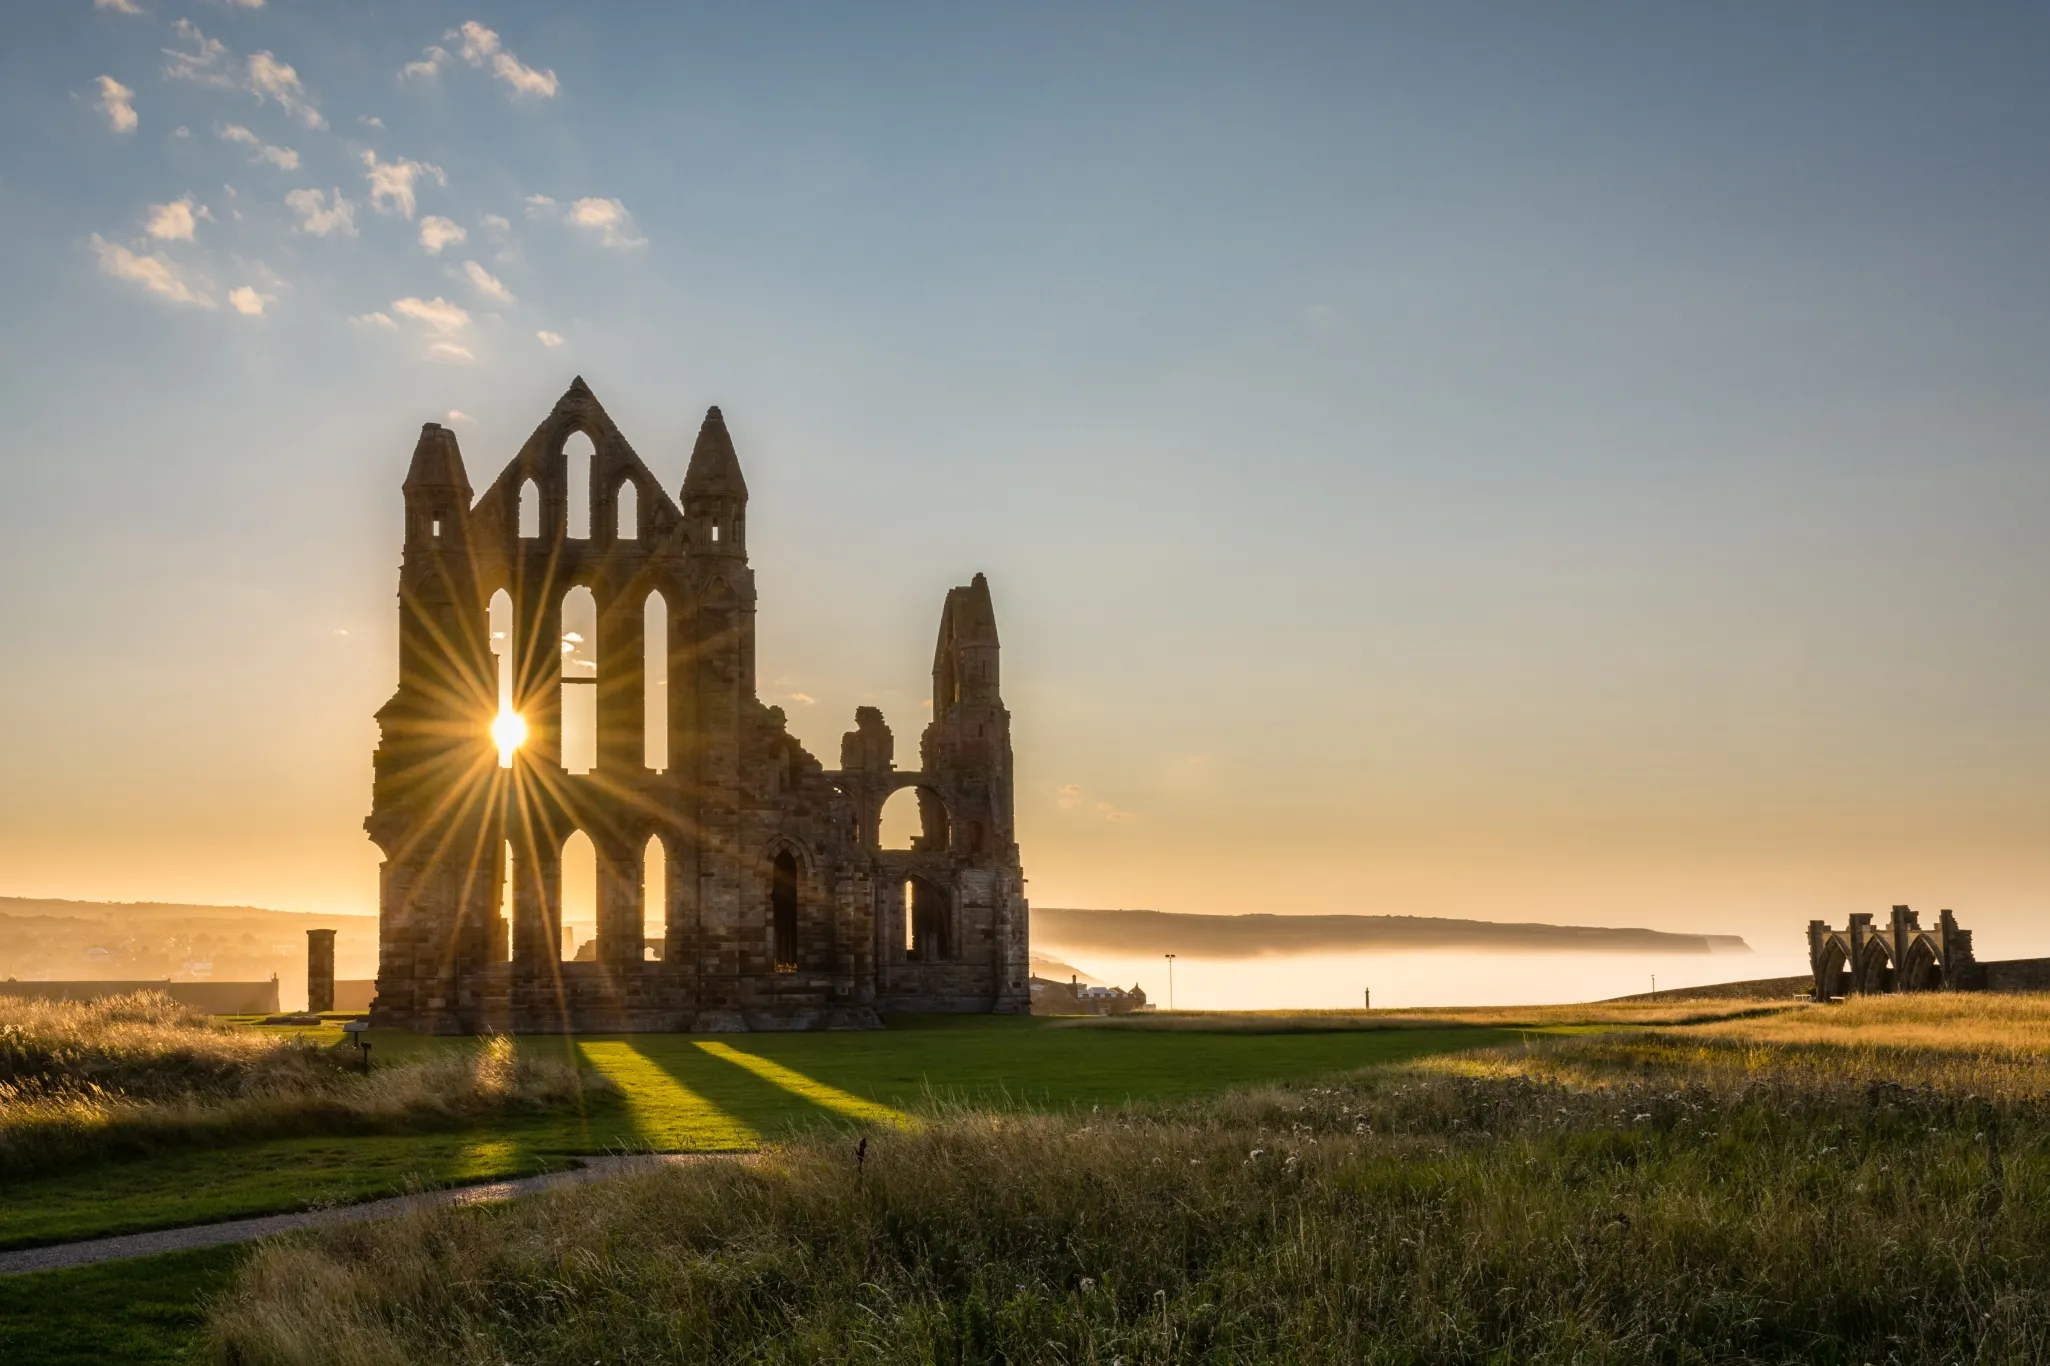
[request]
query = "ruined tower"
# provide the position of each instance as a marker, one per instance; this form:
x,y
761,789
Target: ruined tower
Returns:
x,y
739,883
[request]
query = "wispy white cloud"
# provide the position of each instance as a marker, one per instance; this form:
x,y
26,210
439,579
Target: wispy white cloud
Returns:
x,y
382,321
437,232
392,182
488,284
457,415
117,102
270,78
551,340
243,4
481,48
118,6
436,314
448,350
175,221
181,131
370,120
207,61
496,225
608,219
284,158
155,273
203,60
1068,796
430,64
605,219
317,218
248,302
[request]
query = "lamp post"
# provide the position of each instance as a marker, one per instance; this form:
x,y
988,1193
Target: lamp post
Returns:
x,y
1170,981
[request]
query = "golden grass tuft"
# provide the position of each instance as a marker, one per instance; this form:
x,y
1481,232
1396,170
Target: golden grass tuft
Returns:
x,y
84,1080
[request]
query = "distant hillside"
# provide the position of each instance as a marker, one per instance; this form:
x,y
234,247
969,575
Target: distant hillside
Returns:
x,y
1248,936
45,940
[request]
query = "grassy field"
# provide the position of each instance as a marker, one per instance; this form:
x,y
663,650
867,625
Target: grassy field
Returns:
x,y
683,1093
1670,1181
1861,1183
665,1091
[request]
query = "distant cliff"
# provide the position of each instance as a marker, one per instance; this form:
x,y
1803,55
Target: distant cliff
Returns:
x,y
1248,936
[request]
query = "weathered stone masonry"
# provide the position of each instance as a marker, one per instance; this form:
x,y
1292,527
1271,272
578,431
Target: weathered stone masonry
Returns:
x,y
782,910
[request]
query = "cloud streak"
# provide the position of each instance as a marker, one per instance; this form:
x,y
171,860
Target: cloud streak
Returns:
x,y
488,284
436,314
284,158
154,273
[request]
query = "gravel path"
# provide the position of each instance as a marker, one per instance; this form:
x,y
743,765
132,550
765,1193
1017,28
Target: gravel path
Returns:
x,y
64,1255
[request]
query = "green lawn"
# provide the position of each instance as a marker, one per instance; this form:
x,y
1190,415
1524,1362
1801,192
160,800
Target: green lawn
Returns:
x,y
137,1313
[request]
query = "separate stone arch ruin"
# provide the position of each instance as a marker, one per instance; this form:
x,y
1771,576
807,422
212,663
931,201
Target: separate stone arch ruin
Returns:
x,y
781,909
1864,959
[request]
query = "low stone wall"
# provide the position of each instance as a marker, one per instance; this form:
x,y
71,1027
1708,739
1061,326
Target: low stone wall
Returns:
x,y
2018,974
1756,989
215,998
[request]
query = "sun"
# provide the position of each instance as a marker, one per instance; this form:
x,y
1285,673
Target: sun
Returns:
x,y
508,732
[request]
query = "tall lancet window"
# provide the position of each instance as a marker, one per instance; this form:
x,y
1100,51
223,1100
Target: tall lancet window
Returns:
x,y
576,458
579,681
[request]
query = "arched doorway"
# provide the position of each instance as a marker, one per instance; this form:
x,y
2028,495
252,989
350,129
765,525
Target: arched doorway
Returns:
x,y
1829,974
1920,971
1875,970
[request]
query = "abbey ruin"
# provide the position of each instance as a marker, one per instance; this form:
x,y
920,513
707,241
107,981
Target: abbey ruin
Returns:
x,y
740,883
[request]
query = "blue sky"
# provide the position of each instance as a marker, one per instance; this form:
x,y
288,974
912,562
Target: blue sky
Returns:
x,y
1582,464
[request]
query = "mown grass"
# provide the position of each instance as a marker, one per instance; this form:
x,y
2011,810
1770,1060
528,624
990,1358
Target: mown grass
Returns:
x,y
1835,1186
146,1312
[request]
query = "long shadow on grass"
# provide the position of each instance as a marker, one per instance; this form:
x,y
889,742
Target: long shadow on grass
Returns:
x,y
689,1094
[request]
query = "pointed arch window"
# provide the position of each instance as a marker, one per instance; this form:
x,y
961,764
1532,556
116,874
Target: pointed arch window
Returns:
x,y
498,632
577,454
655,683
579,680
654,899
530,511
626,510
578,908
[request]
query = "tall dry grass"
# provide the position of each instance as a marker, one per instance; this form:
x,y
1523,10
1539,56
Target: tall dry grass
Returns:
x,y
1567,1200
80,1081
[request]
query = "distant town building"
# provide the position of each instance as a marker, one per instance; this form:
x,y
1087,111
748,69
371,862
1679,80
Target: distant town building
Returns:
x,y
1074,997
